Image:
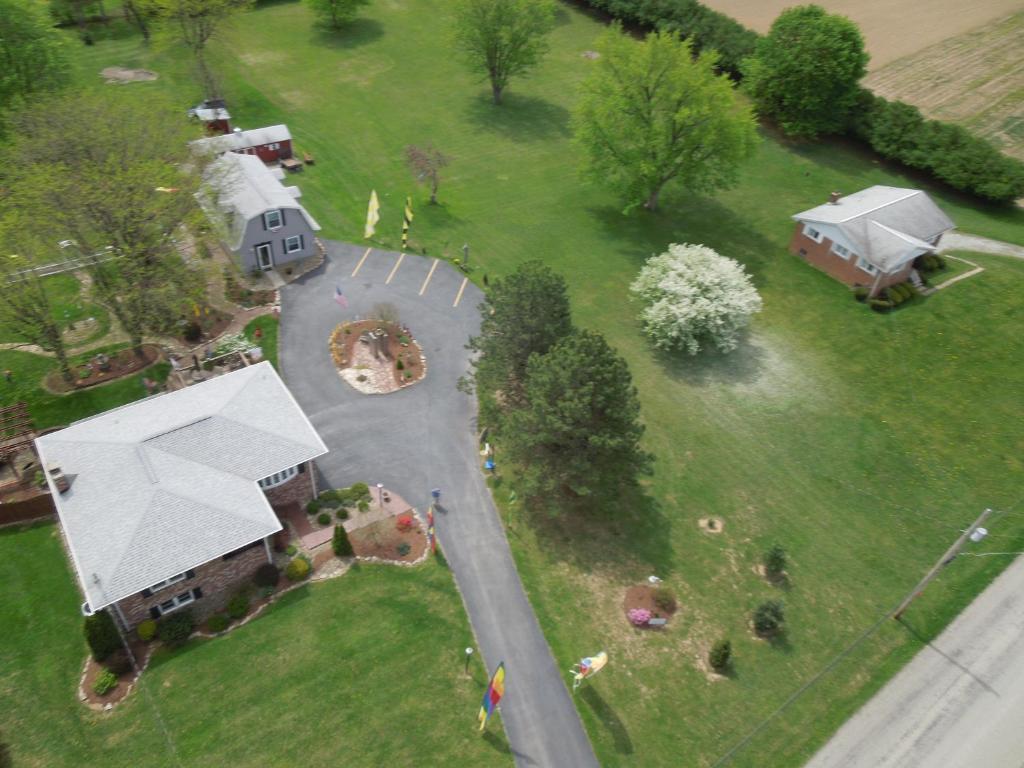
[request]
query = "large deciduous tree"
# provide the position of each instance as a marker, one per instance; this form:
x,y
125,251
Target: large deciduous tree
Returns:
x,y
503,38
198,21
804,72
335,14
579,429
111,176
32,55
651,114
524,314
694,297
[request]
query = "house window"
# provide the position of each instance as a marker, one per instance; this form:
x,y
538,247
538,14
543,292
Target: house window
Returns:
x,y
866,265
812,233
842,250
180,601
168,582
293,244
273,220
279,478
275,145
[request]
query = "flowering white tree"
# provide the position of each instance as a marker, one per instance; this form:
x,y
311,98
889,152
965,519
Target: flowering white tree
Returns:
x,y
695,297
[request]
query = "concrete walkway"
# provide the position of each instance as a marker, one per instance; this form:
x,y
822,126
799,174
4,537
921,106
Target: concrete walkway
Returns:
x,y
424,437
956,241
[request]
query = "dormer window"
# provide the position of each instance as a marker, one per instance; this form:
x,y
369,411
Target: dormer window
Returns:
x,y
273,220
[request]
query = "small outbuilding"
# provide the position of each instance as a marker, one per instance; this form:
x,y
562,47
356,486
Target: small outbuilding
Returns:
x,y
214,115
271,144
870,238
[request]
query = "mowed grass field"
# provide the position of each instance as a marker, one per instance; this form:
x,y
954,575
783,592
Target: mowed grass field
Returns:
x,y
975,79
862,443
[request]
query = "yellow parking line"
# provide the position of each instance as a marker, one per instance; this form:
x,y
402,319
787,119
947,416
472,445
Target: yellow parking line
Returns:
x,y
360,264
458,296
430,274
395,268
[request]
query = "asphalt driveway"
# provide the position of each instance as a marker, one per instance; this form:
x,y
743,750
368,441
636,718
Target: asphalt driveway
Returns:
x,y
425,437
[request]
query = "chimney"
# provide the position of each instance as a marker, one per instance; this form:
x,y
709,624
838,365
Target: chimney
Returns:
x,y
833,199
59,478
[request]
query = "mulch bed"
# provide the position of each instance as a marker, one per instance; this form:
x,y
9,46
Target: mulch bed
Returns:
x,y
382,539
211,326
94,669
642,596
123,363
346,336
237,293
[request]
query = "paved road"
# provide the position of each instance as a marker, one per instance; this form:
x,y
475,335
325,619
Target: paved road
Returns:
x,y
957,241
958,704
423,437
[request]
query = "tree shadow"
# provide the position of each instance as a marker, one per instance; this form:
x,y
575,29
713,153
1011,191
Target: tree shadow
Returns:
x,y
519,117
361,31
710,367
609,719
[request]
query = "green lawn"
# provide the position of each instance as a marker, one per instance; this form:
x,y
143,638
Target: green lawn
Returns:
x,y
861,442
64,292
363,670
269,325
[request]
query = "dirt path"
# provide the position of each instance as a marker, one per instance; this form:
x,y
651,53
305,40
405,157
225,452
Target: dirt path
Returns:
x,y
954,241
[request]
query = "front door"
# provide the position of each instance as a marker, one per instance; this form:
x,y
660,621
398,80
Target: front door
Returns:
x,y
265,256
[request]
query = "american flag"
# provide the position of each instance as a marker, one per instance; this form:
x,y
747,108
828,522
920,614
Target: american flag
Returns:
x,y
340,297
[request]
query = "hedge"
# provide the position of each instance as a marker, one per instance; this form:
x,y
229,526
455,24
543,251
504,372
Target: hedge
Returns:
x,y
951,153
705,28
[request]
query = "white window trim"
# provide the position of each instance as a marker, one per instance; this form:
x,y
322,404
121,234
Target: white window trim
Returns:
x,y
842,251
279,478
180,601
167,582
866,265
273,145
280,220
298,244
816,237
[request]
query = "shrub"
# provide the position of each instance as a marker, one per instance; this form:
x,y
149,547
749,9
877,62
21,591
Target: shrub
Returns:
x,y
297,570
101,635
267,575
860,293
404,522
290,550
341,514
217,623
665,600
404,549
400,365
360,491
881,305
340,543
118,662
238,605
721,655
314,506
769,617
106,682
146,630
694,297
175,629
639,617
940,260
323,518
775,560
363,505
192,331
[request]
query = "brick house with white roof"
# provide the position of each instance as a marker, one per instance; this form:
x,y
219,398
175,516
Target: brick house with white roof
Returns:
x,y
166,502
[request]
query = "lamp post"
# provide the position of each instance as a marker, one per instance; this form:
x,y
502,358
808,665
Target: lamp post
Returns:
x,y
469,655
380,494
465,253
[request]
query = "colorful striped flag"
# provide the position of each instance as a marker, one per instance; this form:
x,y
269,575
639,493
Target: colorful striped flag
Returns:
x,y
372,215
406,222
495,690
340,297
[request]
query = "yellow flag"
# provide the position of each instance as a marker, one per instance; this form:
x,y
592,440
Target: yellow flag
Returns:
x,y
372,215
408,210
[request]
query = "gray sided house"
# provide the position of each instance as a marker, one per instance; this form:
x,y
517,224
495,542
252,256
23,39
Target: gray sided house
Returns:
x,y
259,218
169,501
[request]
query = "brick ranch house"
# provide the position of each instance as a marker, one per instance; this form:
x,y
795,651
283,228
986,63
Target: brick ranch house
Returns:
x,y
167,502
870,238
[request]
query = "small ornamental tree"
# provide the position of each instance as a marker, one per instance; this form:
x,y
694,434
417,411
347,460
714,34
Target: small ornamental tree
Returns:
x,y
720,655
695,297
101,635
769,618
426,162
805,71
335,14
340,543
775,561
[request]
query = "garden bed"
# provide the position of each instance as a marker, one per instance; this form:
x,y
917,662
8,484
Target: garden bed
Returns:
x,y
397,362
125,680
243,295
209,325
644,598
384,541
118,365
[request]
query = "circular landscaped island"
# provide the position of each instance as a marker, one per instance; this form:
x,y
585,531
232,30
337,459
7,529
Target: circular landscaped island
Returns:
x,y
377,356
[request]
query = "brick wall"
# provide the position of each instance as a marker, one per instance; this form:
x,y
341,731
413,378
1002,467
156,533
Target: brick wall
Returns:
x,y
821,256
299,490
219,580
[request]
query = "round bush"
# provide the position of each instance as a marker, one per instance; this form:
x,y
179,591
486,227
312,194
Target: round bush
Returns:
x,y
290,550
313,507
101,634
665,600
238,606
363,505
323,518
341,514
267,575
146,630
217,623
175,629
721,655
105,683
297,570
769,617
360,491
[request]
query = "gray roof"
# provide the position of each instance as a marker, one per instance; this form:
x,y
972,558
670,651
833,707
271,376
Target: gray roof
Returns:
x,y
208,114
238,140
886,225
246,189
170,482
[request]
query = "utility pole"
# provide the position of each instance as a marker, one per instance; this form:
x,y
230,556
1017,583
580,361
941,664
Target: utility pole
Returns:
x,y
946,559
